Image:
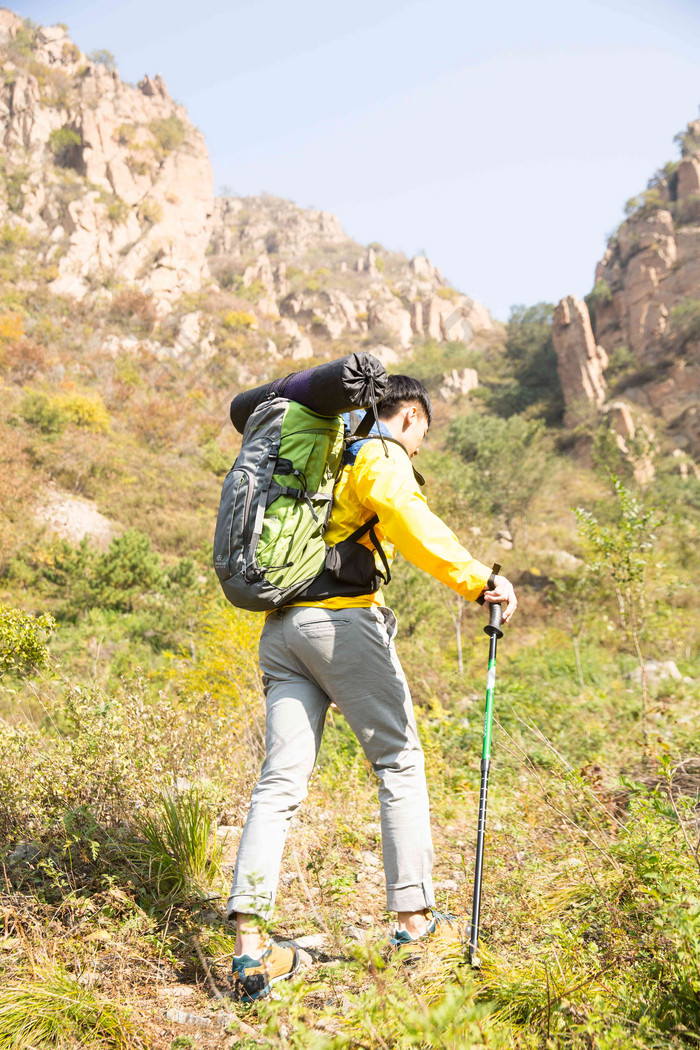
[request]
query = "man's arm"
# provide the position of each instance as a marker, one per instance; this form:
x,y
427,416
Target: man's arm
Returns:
x,y
387,486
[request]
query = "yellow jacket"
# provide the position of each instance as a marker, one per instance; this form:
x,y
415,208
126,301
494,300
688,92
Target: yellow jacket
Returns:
x,y
381,484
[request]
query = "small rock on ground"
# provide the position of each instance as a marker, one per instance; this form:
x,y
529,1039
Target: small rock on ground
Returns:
x,y
217,1020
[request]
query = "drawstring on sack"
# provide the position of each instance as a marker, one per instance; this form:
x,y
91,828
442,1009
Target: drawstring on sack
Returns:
x,y
373,402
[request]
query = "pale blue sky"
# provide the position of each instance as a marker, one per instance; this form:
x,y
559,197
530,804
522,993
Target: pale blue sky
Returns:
x,y
503,139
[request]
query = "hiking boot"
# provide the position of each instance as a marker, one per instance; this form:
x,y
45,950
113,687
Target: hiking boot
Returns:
x,y
443,932
253,978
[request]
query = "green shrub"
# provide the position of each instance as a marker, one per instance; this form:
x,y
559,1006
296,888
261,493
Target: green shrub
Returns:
x,y
103,753
136,166
124,134
127,571
238,319
14,179
52,413
84,410
65,143
645,203
121,578
687,211
169,133
688,142
531,385
622,553
70,568
180,855
56,87
22,44
117,210
214,459
252,293
23,641
684,326
102,57
621,361
44,413
150,211
601,292
508,464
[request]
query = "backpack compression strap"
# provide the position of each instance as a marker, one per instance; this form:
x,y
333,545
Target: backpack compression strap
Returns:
x,y
251,570
363,530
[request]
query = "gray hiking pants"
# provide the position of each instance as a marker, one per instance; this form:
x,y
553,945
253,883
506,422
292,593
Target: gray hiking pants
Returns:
x,y
308,658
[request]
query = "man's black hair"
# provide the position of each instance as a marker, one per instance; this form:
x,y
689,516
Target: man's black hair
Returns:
x,y
402,391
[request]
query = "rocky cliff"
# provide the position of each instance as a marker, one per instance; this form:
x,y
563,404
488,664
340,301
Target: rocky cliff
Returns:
x,y
113,185
312,283
635,342
113,179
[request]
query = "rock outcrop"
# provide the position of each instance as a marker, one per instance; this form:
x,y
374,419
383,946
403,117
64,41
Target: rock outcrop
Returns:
x,y
458,382
329,286
644,308
114,178
581,361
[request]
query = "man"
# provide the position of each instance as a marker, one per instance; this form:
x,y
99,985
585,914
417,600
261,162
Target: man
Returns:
x,y
341,650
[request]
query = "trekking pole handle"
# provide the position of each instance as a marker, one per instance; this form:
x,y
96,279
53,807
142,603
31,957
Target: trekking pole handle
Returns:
x,y
495,621
495,612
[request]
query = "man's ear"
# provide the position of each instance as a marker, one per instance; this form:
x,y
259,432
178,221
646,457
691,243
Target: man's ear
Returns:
x,y
408,416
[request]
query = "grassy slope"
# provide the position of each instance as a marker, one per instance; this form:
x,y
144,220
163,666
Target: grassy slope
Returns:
x,y
591,922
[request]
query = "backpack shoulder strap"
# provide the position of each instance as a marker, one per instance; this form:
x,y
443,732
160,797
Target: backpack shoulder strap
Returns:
x,y
351,456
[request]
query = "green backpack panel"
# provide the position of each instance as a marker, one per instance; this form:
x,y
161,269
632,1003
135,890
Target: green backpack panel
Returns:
x,y
275,504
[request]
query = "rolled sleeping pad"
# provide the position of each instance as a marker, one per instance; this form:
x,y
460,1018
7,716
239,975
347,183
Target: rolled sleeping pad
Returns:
x,y
329,389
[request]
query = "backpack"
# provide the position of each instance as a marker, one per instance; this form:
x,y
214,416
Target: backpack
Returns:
x,y
276,501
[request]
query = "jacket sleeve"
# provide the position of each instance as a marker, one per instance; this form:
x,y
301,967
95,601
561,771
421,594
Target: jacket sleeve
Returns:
x,y
386,486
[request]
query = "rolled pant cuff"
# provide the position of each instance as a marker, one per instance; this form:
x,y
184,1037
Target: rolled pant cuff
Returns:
x,y
260,904
410,898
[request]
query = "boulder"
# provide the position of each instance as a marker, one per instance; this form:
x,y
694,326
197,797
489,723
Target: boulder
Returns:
x,y
422,267
458,318
457,383
260,270
393,318
657,671
72,518
476,316
281,281
564,560
293,342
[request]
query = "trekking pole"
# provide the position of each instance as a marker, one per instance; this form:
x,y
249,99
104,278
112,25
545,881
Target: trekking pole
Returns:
x,y
494,631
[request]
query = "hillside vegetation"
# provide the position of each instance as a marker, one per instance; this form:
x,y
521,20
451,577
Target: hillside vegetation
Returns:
x,y
132,712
